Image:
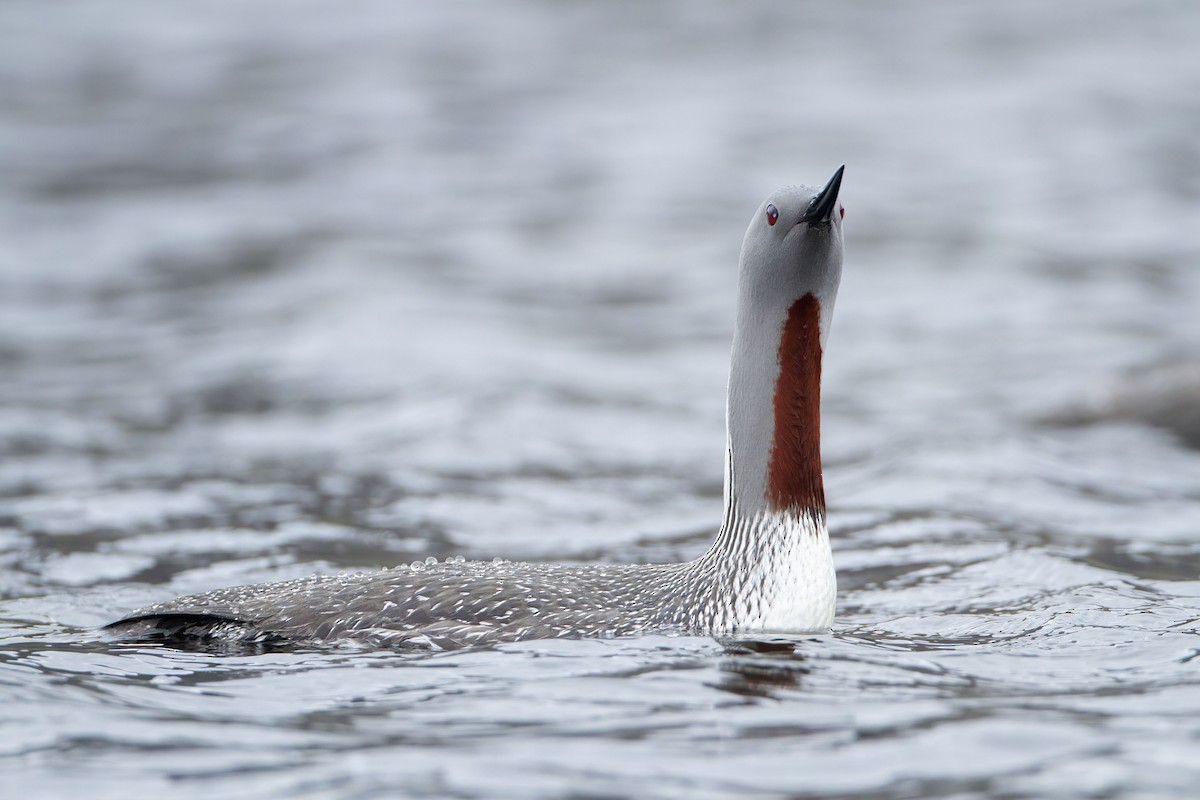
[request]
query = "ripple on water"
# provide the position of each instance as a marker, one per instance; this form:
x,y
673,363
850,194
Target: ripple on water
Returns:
x,y
349,290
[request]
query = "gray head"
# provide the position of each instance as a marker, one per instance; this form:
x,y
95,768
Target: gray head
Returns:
x,y
790,267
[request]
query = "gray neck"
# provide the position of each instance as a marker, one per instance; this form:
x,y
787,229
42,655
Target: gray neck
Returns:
x,y
773,462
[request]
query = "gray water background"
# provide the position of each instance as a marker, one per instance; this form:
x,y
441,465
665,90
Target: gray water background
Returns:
x,y
300,287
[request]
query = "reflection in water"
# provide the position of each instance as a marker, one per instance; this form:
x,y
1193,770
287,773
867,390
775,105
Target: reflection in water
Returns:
x,y
761,667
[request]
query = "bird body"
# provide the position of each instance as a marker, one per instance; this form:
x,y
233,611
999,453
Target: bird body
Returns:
x,y
770,568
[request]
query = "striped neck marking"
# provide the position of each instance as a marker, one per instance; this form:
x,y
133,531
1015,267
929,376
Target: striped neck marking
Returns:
x,y
794,481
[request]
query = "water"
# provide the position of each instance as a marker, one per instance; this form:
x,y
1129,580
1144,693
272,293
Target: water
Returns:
x,y
286,288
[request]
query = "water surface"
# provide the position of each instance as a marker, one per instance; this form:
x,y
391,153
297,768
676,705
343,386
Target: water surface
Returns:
x,y
286,289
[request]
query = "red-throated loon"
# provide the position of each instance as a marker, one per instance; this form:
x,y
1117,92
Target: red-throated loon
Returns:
x,y
770,568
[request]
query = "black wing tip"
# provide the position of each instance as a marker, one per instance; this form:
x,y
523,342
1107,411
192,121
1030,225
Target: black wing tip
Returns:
x,y
208,633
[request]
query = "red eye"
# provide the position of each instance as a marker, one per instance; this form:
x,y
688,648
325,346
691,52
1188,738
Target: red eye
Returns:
x,y
842,212
772,215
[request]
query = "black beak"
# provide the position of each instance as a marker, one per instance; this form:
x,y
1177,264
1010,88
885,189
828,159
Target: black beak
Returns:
x,y
821,207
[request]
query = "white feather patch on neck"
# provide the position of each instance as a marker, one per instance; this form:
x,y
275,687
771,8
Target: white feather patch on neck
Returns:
x,y
794,576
